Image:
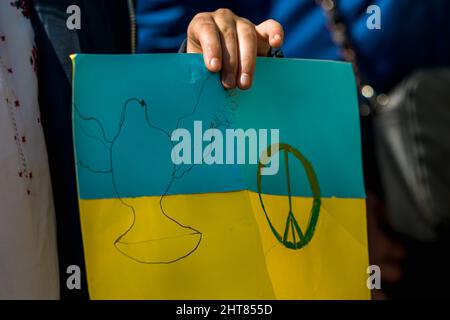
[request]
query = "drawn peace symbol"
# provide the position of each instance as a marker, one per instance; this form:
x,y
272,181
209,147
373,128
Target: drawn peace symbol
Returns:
x,y
299,239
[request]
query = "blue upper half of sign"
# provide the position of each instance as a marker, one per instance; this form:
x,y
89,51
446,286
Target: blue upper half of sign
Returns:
x,y
125,108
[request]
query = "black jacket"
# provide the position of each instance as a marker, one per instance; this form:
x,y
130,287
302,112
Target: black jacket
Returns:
x,y
106,27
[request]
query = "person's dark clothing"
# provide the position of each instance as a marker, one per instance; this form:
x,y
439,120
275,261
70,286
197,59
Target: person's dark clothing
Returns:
x,y
105,28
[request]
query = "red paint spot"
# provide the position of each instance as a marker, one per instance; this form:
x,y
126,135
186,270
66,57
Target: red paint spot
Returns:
x,y
17,103
24,139
28,192
31,175
10,70
20,174
3,38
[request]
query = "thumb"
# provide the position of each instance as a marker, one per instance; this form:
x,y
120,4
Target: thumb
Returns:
x,y
270,34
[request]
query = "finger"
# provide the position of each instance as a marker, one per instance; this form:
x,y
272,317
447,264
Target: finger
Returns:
x,y
228,35
270,34
247,46
203,37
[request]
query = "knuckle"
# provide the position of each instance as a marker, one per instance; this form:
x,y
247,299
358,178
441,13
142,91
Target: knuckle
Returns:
x,y
229,34
201,16
245,21
224,12
199,19
249,34
205,26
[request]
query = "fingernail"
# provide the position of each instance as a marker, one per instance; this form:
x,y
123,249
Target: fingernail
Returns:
x,y
230,80
277,37
214,63
245,80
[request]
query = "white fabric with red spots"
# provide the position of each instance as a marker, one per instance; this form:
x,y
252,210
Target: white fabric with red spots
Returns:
x,y
28,255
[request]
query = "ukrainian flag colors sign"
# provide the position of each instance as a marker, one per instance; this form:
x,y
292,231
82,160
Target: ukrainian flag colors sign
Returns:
x,y
157,228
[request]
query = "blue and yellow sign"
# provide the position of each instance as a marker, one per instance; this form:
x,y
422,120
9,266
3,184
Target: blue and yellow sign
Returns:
x,y
157,229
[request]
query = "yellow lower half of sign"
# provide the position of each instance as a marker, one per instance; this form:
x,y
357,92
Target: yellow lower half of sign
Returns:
x,y
221,246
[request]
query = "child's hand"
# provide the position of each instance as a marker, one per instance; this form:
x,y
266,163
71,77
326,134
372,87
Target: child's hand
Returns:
x,y
230,44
